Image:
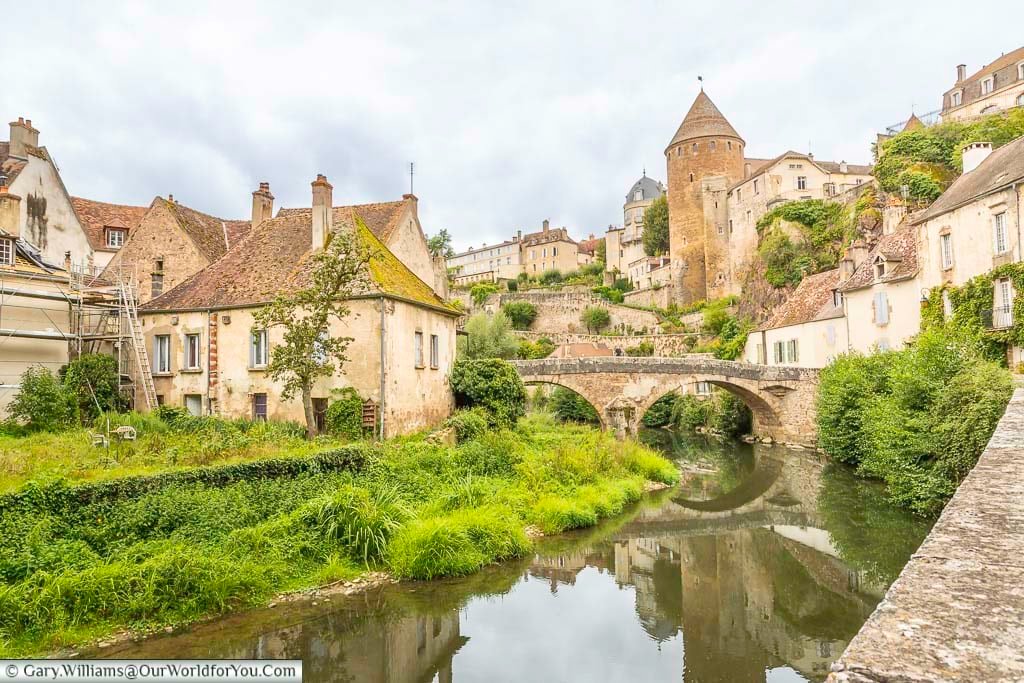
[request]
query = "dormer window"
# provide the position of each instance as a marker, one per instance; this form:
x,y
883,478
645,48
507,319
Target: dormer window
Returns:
x,y
988,85
6,252
956,98
115,238
879,269
638,195
1020,71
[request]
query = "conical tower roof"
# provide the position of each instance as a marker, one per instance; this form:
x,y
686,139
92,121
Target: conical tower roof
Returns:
x,y
913,123
703,120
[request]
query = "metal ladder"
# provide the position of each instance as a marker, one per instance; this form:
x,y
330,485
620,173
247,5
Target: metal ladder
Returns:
x,y
130,308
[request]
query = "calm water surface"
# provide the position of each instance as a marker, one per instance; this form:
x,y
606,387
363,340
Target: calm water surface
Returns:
x,y
760,566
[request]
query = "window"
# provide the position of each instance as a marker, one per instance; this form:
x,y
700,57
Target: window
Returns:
x,y
259,407
691,177
638,195
7,252
748,217
319,351
761,357
162,354
695,148
739,194
988,85
435,351
837,298
1020,71
879,270
756,191
554,250
721,229
830,189
881,308
544,252
728,145
801,182
730,226
956,98
779,352
115,238
418,347
1002,313
191,351
999,243
157,284
791,351
258,355
194,404
712,145
703,388
946,247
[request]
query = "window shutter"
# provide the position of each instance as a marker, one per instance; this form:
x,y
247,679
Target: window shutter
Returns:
x,y
252,349
883,308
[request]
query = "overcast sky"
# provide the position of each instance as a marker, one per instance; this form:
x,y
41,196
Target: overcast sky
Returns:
x,y
512,112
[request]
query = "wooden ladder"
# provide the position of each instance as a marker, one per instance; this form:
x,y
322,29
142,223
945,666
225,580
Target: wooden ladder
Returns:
x,y
131,313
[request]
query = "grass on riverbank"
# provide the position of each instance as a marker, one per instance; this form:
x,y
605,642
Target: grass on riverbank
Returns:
x,y
160,447
418,509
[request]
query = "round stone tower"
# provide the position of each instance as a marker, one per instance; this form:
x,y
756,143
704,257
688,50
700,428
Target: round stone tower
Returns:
x,y
706,153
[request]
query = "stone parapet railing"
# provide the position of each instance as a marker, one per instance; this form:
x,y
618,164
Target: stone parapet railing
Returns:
x,y
956,612
664,344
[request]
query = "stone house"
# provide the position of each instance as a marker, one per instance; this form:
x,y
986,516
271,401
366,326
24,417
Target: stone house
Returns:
x,y
808,330
625,243
975,226
549,249
992,88
107,227
35,307
882,297
586,250
170,244
48,222
489,263
209,357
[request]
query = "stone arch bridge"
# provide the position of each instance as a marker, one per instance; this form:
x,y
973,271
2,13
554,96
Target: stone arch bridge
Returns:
x,y
621,389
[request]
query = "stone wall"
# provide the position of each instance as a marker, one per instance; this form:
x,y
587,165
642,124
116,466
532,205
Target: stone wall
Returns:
x,y
956,612
649,296
560,311
665,345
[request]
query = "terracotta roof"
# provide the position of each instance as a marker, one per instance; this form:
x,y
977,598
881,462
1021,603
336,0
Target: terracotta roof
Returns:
x,y
237,231
811,300
209,233
1004,166
552,235
703,120
276,256
1006,60
95,216
381,218
10,166
899,249
589,246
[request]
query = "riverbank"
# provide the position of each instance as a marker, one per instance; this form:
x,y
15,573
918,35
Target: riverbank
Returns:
x,y
142,560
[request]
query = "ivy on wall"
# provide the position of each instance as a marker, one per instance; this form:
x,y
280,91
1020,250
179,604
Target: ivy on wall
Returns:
x,y
972,304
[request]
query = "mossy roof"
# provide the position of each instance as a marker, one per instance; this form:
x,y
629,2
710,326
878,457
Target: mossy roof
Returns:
x,y
277,256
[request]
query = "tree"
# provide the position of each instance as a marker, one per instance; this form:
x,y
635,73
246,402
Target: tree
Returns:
x,y
488,336
92,381
441,244
43,403
595,319
568,406
480,292
601,252
520,313
491,384
655,235
308,350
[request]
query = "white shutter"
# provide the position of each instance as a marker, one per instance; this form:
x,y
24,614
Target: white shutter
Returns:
x,y
881,308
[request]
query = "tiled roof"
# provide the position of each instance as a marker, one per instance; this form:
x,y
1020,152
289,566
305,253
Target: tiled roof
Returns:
x,y
852,169
650,189
95,216
276,256
381,218
1003,167
1006,60
811,300
899,249
703,120
209,233
237,231
10,166
589,246
552,235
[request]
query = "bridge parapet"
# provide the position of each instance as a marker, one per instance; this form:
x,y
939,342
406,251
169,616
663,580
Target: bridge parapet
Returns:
x,y
623,388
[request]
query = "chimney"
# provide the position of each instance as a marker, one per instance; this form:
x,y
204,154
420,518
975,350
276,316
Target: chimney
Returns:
x,y
746,170
974,154
844,167
10,212
67,261
546,225
961,72
322,215
262,205
853,257
23,136
518,236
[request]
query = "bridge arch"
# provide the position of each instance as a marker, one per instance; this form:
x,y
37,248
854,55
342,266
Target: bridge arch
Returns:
x,y
565,385
781,398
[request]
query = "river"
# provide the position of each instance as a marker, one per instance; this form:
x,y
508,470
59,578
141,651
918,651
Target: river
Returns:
x,y
760,565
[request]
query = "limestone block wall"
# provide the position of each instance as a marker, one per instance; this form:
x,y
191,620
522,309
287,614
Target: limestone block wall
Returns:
x,y
665,345
649,296
560,311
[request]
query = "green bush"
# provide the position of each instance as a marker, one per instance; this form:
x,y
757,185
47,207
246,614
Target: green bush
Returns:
x,y
93,381
480,292
520,313
690,413
550,277
541,348
595,319
488,336
660,413
43,403
491,384
731,417
610,294
512,285
344,415
847,387
468,423
568,406
643,349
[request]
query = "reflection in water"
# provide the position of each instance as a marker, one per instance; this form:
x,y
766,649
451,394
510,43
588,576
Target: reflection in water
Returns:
x,y
759,566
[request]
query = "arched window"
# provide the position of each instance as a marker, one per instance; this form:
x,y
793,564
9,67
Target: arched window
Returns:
x,y
711,146
728,145
695,148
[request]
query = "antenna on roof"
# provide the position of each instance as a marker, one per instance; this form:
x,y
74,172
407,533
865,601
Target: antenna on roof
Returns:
x,y
700,79
411,171
645,172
